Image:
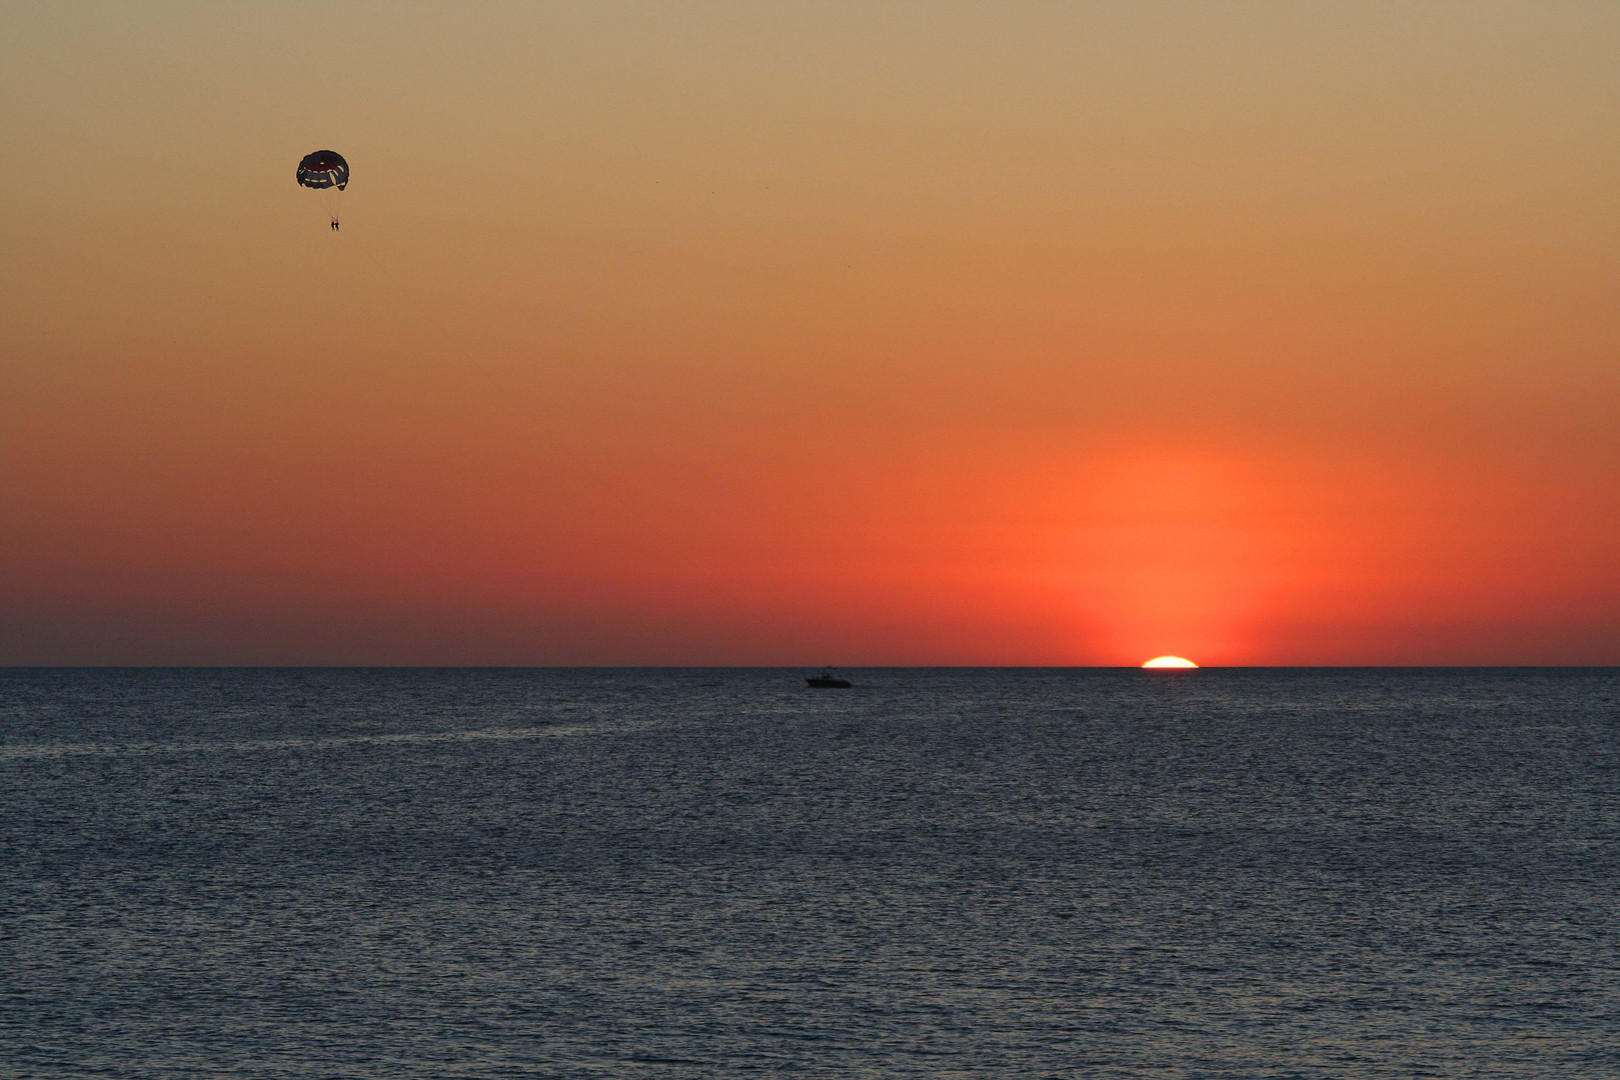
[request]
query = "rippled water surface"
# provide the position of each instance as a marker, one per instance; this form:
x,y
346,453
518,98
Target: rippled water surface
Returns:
x,y
942,873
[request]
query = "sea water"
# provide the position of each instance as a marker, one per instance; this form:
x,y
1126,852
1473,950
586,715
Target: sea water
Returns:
x,y
721,873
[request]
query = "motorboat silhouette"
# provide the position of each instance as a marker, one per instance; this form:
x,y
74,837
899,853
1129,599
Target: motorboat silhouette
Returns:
x,y
828,679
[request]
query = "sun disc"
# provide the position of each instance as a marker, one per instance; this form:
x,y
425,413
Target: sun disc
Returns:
x,y
1169,662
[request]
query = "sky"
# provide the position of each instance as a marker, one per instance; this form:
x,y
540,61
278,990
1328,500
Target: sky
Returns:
x,y
799,333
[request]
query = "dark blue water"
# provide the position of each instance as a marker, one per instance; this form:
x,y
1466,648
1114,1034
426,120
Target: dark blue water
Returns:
x,y
940,873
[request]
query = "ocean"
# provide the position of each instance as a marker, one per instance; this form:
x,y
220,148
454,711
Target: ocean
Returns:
x,y
683,873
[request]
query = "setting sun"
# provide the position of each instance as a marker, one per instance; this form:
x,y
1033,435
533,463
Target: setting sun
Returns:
x,y
1169,662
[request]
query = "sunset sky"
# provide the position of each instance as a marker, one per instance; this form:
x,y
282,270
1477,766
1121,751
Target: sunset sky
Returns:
x,y
802,333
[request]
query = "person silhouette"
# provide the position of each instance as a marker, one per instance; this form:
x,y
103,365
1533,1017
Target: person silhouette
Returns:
x,y
335,225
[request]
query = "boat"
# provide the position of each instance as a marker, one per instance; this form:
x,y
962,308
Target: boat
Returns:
x,y
828,679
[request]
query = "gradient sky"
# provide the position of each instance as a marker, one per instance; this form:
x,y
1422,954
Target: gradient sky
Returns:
x,y
767,332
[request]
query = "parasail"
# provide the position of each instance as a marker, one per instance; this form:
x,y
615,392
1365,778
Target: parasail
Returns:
x,y
328,173
324,169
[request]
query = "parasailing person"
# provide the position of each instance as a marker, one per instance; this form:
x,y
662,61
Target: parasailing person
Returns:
x,y
325,171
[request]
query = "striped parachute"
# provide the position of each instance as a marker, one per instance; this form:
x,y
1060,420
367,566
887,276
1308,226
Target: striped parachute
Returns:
x,y
328,173
324,169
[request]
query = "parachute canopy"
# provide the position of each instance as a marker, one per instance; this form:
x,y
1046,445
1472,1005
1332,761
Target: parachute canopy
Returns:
x,y
324,169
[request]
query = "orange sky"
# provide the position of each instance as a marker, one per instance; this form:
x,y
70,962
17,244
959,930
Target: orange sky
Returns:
x,y
778,333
